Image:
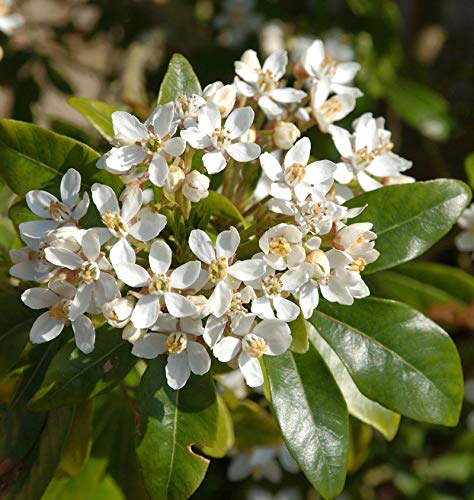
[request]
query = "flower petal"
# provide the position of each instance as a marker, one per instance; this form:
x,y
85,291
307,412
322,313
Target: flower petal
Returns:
x,y
271,166
158,170
198,358
90,244
84,333
122,252
184,276
227,348
128,126
246,270
148,228
104,198
150,346
220,299
160,257
214,162
251,370
179,306
131,204
277,335
239,121
244,151
214,330
175,146
63,258
299,153
131,274
39,298
201,245
146,311
177,370
209,118
45,328
227,243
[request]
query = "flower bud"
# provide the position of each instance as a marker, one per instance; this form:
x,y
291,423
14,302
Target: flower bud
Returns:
x,y
320,263
285,134
118,311
174,179
202,305
196,186
225,99
132,334
250,135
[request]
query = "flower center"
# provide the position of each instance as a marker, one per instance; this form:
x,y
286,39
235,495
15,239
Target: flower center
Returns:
x,y
36,255
328,66
89,272
152,143
272,285
60,311
295,173
330,108
58,211
280,246
220,138
218,269
115,224
266,81
358,265
176,343
159,283
254,345
321,266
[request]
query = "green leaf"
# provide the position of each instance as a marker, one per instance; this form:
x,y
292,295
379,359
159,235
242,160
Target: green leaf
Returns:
x,y
38,469
35,158
469,166
97,113
423,284
220,206
408,219
359,406
73,376
78,444
171,422
180,79
19,427
299,335
421,107
396,356
224,434
17,320
313,417
114,442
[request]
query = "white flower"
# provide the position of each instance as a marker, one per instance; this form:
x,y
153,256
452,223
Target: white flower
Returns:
x,y
465,239
58,299
31,265
196,186
144,143
221,270
219,141
282,246
273,289
179,341
318,66
237,21
54,212
327,110
9,22
222,95
356,240
270,337
118,311
367,153
263,83
95,285
159,284
295,178
285,134
123,223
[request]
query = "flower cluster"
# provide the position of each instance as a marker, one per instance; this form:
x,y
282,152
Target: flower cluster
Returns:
x,y
188,289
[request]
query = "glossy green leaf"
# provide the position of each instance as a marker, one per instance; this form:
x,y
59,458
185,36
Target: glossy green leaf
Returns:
x,y
299,335
97,113
220,206
171,422
78,444
313,417
408,219
17,320
423,285
20,427
396,356
39,467
114,442
469,166
359,406
73,376
421,107
225,432
180,79
33,158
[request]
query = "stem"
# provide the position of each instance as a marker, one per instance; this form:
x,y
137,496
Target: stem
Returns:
x,y
256,205
228,174
188,159
252,169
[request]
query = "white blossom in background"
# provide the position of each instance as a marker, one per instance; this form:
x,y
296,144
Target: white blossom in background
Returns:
x,y
263,82
318,65
222,142
465,239
9,21
179,341
58,298
366,155
55,213
237,21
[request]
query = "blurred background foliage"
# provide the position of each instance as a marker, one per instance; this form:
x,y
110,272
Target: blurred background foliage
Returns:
x,y
417,70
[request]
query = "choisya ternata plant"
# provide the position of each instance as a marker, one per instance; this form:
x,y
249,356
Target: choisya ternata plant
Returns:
x,y
211,237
